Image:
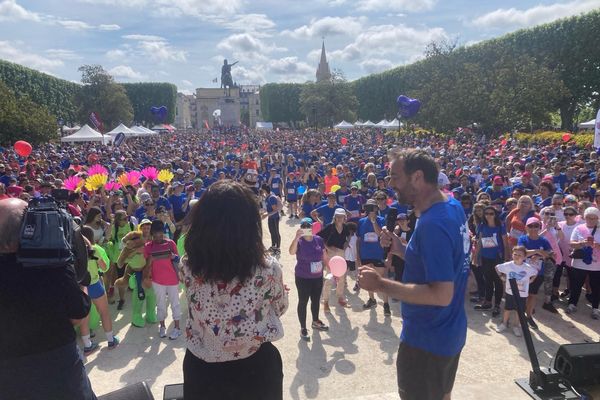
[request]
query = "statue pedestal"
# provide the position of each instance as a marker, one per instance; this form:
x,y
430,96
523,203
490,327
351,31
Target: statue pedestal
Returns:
x,y
230,111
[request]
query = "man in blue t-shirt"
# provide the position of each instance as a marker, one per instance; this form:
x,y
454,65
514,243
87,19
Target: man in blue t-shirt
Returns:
x,y
324,213
272,214
433,285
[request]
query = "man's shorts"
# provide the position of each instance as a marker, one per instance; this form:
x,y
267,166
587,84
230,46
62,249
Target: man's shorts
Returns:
x,y
510,304
423,375
376,263
534,286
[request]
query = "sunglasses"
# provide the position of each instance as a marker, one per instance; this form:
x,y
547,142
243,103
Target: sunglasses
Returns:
x,y
550,214
534,226
570,214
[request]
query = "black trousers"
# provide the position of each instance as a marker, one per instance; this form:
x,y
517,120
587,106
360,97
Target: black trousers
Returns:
x,y
577,278
258,377
478,274
308,288
558,275
493,284
274,231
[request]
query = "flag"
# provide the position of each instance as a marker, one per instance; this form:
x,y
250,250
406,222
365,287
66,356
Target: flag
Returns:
x,y
96,121
215,80
206,124
597,131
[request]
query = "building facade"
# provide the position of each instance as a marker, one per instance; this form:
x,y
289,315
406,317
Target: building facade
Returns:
x,y
323,72
184,111
250,103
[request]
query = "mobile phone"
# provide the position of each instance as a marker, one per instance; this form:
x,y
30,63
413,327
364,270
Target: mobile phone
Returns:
x,y
306,232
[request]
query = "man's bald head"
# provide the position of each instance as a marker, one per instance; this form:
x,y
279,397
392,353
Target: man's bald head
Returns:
x,y
11,215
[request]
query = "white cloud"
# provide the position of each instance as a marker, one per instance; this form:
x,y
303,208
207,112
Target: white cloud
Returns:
x,y
74,25
125,71
389,40
144,37
11,11
157,48
62,54
395,5
374,65
109,27
115,54
196,8
19,56
247,44
249,23
186,82
328,26
512,17
118,3
289,66
243,75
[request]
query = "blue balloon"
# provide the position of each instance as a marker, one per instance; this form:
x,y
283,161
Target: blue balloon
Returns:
x,y
408,107
301,189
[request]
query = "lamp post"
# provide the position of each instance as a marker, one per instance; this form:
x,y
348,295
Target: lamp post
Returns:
x,y
314,110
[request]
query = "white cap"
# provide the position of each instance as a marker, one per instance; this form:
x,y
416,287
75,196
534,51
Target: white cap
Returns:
x,y
339,211
443,179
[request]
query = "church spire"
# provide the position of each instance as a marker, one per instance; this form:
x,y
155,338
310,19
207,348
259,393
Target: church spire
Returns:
x,y
323,72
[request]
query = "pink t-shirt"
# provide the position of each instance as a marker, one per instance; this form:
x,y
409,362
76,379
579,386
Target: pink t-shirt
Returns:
x,y
162,269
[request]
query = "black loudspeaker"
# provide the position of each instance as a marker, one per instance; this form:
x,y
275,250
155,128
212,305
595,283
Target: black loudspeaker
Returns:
x,y
579,363
137,391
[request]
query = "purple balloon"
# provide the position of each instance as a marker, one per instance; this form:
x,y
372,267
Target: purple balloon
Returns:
x,y
408,107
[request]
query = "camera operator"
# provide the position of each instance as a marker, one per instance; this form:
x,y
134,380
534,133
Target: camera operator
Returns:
x,y
38,307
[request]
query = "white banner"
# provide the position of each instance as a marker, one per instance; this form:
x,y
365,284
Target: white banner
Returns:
x,y
597,135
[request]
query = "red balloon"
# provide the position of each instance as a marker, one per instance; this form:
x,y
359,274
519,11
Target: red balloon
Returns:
x,y
23,148
566,137
503,142
344,141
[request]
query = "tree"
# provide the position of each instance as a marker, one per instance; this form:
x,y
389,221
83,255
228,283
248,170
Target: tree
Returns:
x,y
22,119
327,102
100,94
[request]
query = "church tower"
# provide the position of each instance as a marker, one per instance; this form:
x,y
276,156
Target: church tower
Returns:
x,y
323,73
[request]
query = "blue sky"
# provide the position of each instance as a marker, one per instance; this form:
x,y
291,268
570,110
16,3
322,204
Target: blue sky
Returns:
x,y
184,41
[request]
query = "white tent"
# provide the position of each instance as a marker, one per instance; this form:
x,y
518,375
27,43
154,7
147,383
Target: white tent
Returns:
x,y
121,129
368,123
344,125
382,124
358,123
588,125
68,129
393,124
264,125
163,128
87,134
142,131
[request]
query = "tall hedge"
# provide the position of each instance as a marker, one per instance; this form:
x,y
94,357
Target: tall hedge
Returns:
x,y
145,95
280,102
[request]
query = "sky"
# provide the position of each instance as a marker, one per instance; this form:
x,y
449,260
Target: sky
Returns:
x,y
184,42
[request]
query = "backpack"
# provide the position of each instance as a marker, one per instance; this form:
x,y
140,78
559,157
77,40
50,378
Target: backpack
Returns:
x,y
46,235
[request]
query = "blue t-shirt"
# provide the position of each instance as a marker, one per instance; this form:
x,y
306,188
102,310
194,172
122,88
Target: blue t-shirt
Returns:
x,y
438,252
162,201
326,213
370,249
541,243
177,201
291,190
490,240
496,195
276,185
340,195
271,204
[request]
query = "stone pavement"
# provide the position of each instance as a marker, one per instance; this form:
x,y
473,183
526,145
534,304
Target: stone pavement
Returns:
x,y
355,359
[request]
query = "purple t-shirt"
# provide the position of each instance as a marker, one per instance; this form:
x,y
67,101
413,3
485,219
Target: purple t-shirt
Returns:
x,y
309,258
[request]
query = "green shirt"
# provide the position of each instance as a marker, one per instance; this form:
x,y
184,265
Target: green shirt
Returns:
x,y
94,267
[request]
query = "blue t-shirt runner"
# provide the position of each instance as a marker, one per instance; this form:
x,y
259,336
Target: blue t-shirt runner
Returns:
x,y
437,252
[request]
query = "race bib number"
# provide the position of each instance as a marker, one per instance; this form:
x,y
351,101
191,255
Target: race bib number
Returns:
x,y
354,213
275,186
291,191
316,267
342,198
515,233
489,242
371,237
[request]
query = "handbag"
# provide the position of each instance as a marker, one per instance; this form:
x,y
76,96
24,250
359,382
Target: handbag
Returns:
x,y
579,254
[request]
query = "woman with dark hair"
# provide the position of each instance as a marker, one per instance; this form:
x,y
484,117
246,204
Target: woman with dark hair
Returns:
x,y
235,296
491,249
101,228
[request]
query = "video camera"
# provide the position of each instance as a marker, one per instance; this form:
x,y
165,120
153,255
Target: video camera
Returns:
x,y
48,238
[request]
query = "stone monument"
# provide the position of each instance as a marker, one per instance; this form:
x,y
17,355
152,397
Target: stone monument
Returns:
x,y
226,99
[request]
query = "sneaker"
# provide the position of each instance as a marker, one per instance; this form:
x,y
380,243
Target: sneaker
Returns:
x,y
532,323
326,307
115,342
550,307
371,303
595,313
517,331
271,249
482,307
87,350
162,332
564,294
120,304
495,311
386,310
92,334
319,326
304,334
175,333
572,308
501,328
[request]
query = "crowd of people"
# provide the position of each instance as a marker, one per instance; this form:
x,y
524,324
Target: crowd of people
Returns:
x,y
531,211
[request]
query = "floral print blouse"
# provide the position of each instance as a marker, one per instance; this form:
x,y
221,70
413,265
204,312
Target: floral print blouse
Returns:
x,y
229,321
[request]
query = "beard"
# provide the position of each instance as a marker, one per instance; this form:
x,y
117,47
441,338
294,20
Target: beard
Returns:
x,y
406,194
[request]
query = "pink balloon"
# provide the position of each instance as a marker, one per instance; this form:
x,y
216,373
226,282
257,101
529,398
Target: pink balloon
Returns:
x,y
316,227
337,265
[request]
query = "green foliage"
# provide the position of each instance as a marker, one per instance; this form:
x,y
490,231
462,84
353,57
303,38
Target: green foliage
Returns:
x,y
100,94
57,95
581,139
280,102
22,119
328,102
144,96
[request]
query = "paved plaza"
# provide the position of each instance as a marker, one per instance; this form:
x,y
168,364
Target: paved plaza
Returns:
x,y
355,359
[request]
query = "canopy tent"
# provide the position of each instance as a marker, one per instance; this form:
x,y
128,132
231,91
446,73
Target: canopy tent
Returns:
x,y
121,129
588,125
358,123
142,131
87,134
260,125
68,129
344,125
382,124
368,123
163,128
393,124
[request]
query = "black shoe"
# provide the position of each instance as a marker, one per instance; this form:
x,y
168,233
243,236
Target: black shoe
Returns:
x,y
550,307
532,323
476,299
495,311
304,335
554,297
481,307
564,294
386,310
141,294
120,304
371,303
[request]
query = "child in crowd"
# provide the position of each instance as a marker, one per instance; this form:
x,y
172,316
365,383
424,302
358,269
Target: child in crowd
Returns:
x,y
524,274
350,252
